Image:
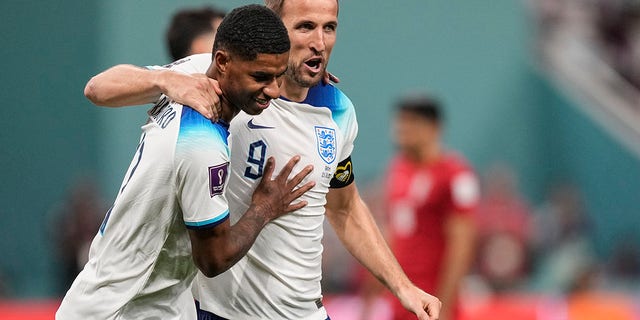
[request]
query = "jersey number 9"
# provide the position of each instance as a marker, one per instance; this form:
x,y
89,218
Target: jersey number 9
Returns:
x,y
255,160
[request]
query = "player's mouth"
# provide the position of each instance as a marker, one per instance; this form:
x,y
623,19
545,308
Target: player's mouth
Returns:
x,y
314,64
262,103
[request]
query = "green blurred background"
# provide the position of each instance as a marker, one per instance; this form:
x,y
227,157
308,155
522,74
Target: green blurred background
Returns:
x,y
477,56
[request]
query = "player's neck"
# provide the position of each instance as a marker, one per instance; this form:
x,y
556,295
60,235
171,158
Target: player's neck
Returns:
x,y
293,91
227,114
425,154
431,153
228,111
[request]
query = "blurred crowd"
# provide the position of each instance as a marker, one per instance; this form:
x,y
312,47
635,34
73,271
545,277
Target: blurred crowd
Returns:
x,y
608,28
75,222
618,30
545,248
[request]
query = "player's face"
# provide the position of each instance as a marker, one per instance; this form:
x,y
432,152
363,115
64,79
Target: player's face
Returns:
x,y
250,85
413,132
312,30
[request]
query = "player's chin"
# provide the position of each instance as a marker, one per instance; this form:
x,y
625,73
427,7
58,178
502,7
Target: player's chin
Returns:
x,y
256,108
311,80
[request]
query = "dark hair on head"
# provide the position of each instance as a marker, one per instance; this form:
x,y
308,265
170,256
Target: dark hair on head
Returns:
x,y
421,105
252,29
186,25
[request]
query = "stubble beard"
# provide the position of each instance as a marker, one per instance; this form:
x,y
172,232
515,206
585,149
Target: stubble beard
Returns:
x,y
295,73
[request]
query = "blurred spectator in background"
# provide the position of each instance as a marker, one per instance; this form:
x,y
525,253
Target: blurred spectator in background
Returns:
x,y
76,223
565,260
618,25
624,265
623,268
192,31
431,196
504,231
601,36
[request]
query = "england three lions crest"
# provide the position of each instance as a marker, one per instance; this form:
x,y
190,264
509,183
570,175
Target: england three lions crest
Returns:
x,y
326,141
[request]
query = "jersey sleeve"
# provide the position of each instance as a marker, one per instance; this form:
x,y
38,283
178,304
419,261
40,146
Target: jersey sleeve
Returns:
x,y
345,117
197,63
465,191
349,126
156,68
202,170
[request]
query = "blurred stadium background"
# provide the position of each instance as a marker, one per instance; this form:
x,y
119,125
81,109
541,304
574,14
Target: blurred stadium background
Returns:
x,y
540,95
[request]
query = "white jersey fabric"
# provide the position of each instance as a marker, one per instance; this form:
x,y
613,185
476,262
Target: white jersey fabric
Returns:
x,y
140,264
279,278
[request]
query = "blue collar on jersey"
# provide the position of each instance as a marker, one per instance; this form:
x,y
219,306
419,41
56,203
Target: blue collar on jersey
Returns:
x,y
320,95
223,123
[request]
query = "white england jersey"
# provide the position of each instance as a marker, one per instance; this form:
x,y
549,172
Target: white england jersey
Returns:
x,y
140,264
279,278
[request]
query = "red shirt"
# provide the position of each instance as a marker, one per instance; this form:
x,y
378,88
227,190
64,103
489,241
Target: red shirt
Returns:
x,y
420,197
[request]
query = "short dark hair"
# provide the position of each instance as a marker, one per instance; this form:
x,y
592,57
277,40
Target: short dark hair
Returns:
x,y
421,105
188,24
252,29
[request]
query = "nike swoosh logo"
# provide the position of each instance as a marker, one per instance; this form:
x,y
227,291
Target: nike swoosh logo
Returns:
x,y
251,125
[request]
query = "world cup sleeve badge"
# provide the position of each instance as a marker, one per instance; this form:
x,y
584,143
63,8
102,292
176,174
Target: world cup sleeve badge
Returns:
x,y
326,142
217,177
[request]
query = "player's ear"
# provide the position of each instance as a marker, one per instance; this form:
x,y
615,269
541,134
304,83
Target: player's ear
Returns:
x,y
222,60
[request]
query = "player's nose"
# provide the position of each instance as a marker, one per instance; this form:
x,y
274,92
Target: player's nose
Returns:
x,y
317,41
272,90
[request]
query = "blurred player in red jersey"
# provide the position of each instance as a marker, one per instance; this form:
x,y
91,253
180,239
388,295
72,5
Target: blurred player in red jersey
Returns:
x,y
431,197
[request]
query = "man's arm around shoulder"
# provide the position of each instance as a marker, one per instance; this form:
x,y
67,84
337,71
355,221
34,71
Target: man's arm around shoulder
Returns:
x,y
129,85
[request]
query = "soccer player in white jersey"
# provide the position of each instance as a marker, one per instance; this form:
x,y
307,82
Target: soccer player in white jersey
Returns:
x,y
280,276
171,201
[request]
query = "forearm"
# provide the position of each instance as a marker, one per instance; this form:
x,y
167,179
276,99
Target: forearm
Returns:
x,y
125,85
457,260
227,247
243,234
360,235
453,272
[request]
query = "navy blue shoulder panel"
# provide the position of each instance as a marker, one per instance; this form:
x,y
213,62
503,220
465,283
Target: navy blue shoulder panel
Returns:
x,y
328,96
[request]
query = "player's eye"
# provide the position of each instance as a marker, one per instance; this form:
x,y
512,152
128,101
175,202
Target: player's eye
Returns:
x,y
330,28
305,26
262,77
